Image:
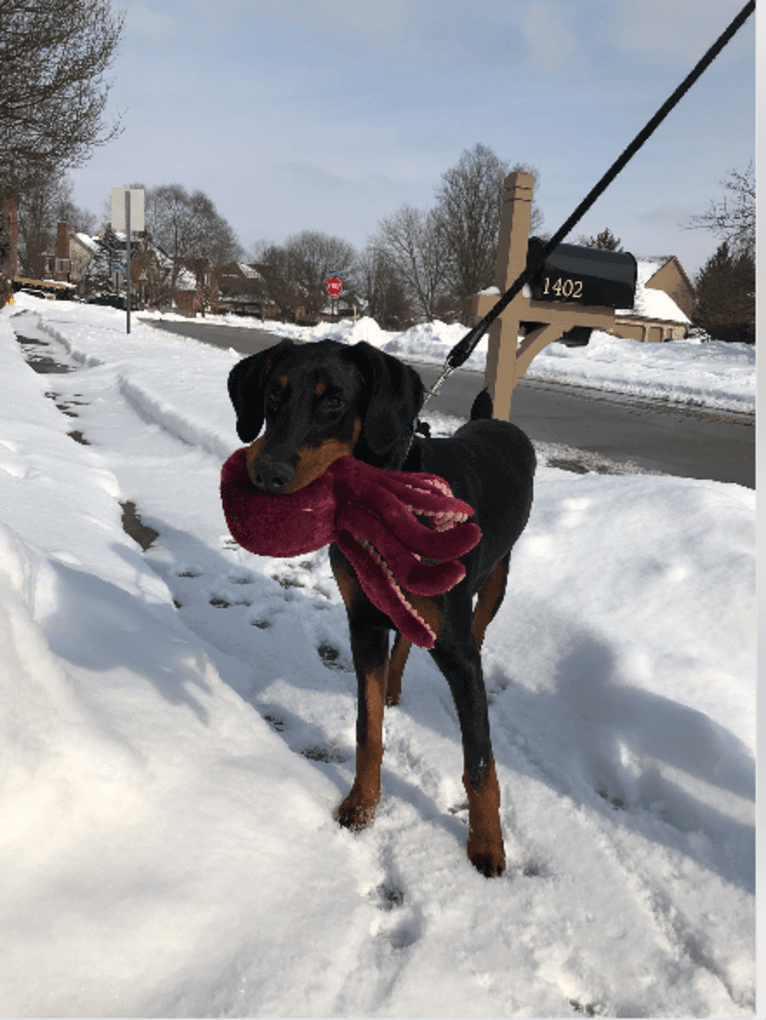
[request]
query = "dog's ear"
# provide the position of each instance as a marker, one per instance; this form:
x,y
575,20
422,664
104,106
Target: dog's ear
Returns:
x,y
247,384
395,395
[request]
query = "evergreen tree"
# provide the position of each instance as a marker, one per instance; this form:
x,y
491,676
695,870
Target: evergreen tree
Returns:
x,y
606,241
725,296
107,260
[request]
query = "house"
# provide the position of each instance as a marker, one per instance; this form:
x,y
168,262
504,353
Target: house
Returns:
x,y
242,291
67,260
185,293
50,286
663,303
57,264
343,308
82,248
90,264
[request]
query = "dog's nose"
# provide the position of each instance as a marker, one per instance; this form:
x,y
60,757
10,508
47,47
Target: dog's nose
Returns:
x,y
271,476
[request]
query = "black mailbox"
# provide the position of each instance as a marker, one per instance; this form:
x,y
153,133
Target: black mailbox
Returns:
x,y
590,276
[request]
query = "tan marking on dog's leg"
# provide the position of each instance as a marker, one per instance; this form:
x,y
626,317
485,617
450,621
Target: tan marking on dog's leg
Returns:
x,y
399,654
487,602
485,836
428,608
358,809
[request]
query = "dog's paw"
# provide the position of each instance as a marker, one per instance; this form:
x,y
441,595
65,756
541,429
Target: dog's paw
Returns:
x,y
487,856
357,811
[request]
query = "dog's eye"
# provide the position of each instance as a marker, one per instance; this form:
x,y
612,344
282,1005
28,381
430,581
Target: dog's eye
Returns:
x,y
272,400
332,403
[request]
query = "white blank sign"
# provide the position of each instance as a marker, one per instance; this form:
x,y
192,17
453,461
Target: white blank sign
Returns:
x,y
136,208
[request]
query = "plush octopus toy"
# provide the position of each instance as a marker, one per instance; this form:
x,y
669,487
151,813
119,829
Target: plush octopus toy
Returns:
x,y
401,531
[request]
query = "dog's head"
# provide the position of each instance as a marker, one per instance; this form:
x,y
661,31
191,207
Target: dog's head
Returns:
x,y
319,402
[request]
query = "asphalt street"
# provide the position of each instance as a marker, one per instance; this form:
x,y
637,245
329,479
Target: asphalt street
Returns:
x,y
692,443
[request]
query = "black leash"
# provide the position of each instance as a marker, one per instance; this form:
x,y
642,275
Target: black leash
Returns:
x,y
464,348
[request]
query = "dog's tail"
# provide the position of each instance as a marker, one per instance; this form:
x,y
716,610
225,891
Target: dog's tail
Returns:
x,y
482,406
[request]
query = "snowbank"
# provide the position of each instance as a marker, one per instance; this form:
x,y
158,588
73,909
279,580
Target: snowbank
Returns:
x,y
713,374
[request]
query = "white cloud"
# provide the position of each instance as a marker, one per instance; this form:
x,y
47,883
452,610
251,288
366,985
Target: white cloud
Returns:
x,y
549,41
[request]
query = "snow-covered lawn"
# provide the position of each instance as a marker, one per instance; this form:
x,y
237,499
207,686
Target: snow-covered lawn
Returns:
x,y
178,727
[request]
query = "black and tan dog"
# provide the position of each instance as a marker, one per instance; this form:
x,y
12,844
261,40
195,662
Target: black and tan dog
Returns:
x,y
325,400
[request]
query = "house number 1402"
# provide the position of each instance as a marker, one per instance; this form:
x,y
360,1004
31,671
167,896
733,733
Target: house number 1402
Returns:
x,y
563,288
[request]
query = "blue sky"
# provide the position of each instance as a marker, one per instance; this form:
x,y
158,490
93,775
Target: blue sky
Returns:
x,y
296,114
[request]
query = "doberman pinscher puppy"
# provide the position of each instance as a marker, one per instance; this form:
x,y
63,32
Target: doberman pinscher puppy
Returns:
x,y
326,400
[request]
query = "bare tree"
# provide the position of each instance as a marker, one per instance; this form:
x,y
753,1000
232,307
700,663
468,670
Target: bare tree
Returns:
x,y
212,236
468,211
296,273
53,54
313,257
281,287
381,290
188,228
167,223
415,246
733,218
40,208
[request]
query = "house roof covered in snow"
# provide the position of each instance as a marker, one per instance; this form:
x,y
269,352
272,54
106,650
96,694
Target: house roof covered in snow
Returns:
x,y
250,272
88,242
650,302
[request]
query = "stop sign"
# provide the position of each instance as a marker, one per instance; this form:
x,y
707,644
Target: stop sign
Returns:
x,y
334,286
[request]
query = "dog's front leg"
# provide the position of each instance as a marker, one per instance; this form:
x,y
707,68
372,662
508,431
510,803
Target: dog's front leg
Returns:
x,y
369,647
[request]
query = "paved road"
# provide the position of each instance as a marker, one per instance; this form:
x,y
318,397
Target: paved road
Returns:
x,y
656,436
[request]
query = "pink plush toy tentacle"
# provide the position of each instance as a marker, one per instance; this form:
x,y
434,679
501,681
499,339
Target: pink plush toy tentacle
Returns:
x,y
409,570
380,586
429,490
420,539
436,545
423,493
428,495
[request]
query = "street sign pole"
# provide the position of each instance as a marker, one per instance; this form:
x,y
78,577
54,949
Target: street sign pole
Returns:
x,y
128,212
127,256
334,287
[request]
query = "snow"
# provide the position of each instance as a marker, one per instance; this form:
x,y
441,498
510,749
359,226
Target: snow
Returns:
x,y
689,373
91,243
651,302
178,728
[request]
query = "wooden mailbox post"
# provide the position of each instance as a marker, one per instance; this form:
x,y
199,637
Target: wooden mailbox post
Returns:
x,y
545,321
